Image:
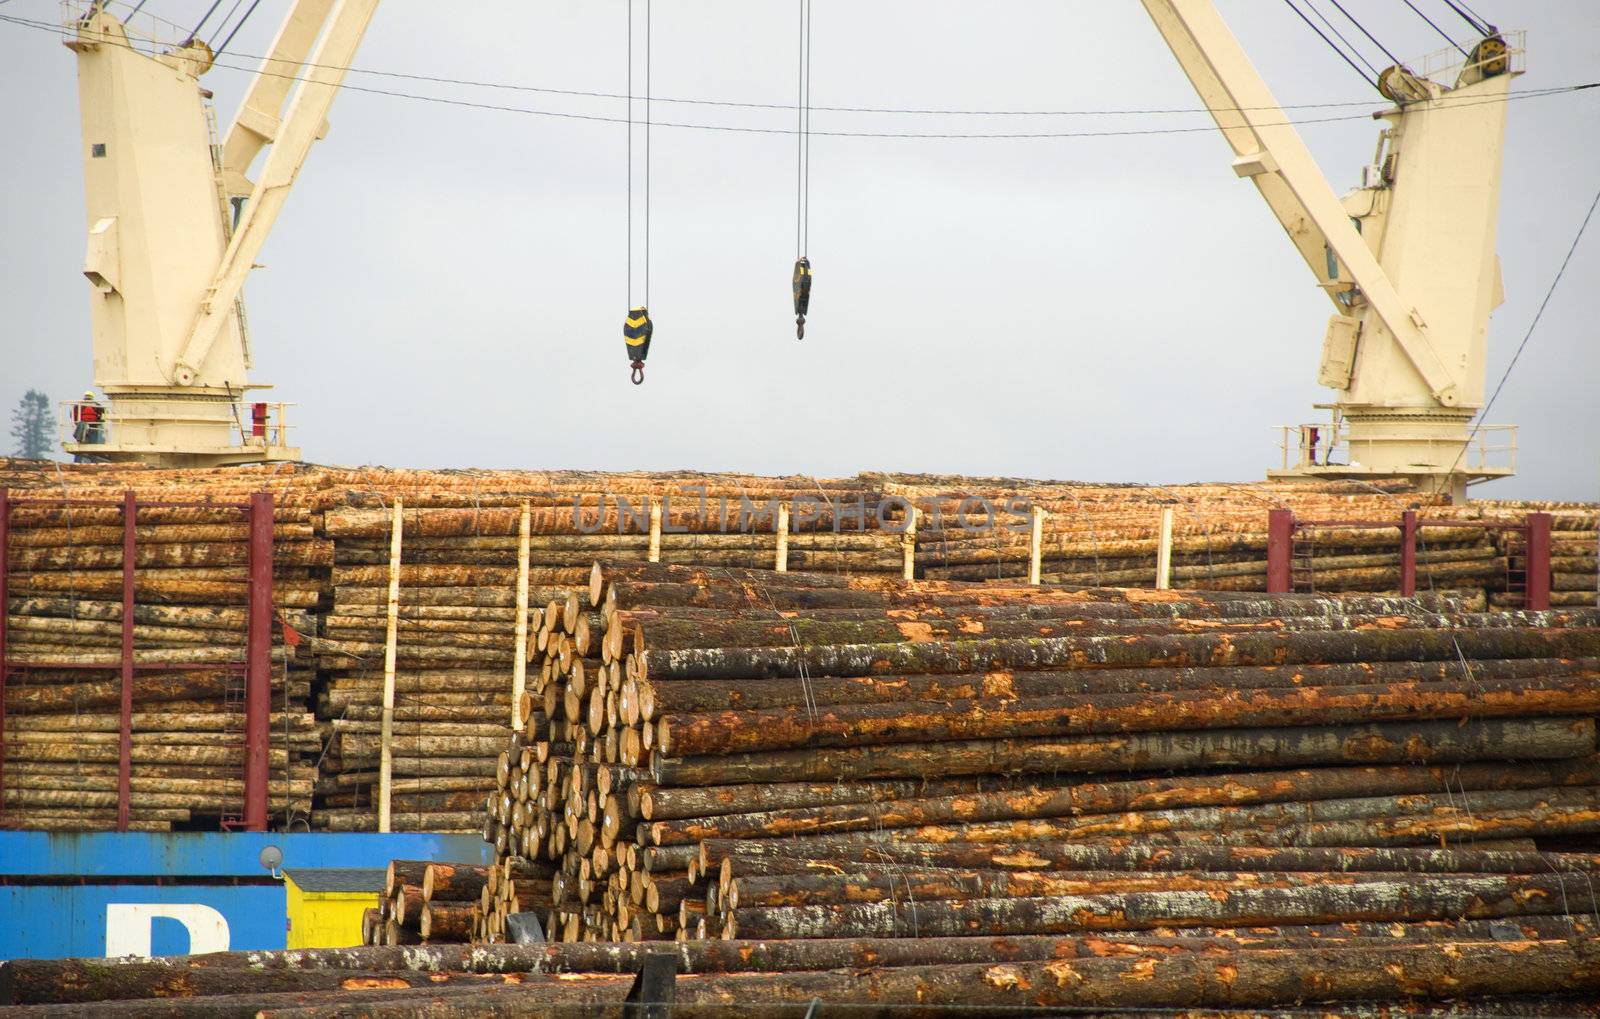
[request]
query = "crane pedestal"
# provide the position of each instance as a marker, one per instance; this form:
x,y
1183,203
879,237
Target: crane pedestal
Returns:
x,y
1435,449
178,428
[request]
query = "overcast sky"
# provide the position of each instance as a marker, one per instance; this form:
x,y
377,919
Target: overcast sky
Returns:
x,y
446,285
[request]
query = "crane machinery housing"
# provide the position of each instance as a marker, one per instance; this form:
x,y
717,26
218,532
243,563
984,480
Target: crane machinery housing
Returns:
x,y
175,225
1407,259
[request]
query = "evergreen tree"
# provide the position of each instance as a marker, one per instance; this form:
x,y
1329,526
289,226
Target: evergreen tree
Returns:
x,y
30,426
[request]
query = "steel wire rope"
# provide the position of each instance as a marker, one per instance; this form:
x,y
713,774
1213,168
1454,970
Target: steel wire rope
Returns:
x,y
995,136
1528,335
628,6
204,18
1478,23
799,125
647,49
805,137
1331,45
1351,18
1436,28
248,11
224,22
1311,4
734,104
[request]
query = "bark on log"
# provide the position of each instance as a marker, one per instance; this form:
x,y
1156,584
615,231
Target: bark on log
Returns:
x,y
1182,980
1418,899
1069,856
1176,651
895,806
876,724
1389,742
453,882
676,696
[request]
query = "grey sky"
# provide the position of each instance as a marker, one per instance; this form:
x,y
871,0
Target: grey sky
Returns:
x,y
445,286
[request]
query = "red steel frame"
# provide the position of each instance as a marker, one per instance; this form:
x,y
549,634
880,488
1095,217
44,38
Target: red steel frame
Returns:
x,y
257,665
1535,527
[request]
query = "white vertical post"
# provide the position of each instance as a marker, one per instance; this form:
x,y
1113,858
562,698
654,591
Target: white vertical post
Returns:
x,y
782,565
1036,546
519,668
908,547
1164,551
655,531
391,638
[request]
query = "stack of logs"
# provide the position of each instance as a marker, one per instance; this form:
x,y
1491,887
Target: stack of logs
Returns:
x,y
901,747
63,694
456,609
456,618
439,903
1107,535
454,646
1514,955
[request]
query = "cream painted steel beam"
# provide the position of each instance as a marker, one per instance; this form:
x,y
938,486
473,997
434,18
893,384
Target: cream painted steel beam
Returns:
x,y
1269,151
301,125
259,119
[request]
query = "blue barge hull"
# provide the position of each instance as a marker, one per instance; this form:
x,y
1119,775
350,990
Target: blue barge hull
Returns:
x,y
110,893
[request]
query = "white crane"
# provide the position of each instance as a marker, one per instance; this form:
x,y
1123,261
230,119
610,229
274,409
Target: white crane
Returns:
x,y
175,225
1408,259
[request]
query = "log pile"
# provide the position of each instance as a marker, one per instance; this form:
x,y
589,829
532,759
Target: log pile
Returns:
x,y
460,560
892,744
1107,535
427,903
64,692
456,617
1514,965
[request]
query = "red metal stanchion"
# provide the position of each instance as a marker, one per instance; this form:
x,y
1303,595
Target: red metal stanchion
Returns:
x,y
1539,526
1280,540
1408,553
258,664
5,608
125,743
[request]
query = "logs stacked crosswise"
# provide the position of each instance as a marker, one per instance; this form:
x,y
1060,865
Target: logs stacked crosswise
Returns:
x,y
457,593
749,754
63,690
426,902
1107,535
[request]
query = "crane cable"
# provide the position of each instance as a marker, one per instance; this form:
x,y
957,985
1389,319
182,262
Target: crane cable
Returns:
x,y
1352,47
1478,23
1331,45
1351,18
223,24
240,24
637,329
1483,415
57,30
1431,24
800,282
205,18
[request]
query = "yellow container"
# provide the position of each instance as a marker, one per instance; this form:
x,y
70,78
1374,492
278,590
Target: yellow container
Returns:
x,y
325,905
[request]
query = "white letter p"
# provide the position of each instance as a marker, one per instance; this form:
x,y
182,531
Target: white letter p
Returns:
x,y
128,927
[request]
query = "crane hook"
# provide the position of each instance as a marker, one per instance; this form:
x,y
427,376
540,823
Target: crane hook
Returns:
x,y
636,332
801,286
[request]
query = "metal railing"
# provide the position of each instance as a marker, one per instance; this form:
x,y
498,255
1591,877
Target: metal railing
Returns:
x,y
88,423
147,32
1490,448
1445,65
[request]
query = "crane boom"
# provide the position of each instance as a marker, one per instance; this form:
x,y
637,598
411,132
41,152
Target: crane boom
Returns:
x,y
290,141
1406,343
1268,150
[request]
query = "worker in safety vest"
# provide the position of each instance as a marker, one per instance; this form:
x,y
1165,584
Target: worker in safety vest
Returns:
x,y
88,420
